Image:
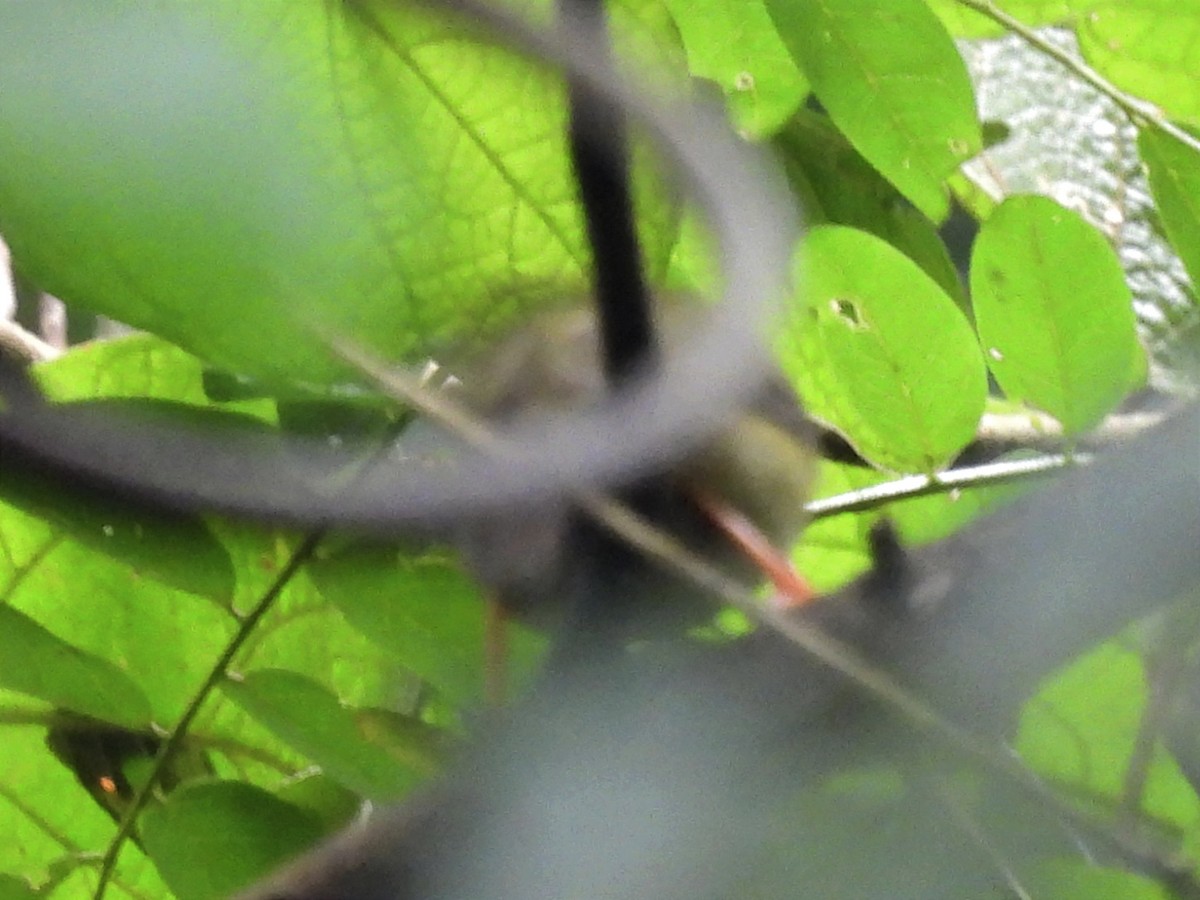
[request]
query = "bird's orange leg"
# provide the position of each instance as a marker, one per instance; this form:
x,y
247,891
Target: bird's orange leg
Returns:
x,y
793,590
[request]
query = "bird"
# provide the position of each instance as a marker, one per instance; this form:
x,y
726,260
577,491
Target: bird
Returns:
x,y
736,500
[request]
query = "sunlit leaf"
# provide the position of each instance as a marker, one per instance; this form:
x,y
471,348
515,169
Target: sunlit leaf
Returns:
x,y
1150,48
735,44
882,353
247,178
1175,180
893,82
1054,313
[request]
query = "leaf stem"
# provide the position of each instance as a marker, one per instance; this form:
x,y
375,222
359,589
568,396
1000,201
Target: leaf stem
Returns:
x,y
174,739
1141,112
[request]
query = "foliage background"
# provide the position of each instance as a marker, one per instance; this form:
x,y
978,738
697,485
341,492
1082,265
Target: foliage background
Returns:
x,y
239,182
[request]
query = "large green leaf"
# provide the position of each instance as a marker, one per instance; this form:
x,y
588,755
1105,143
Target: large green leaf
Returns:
x,y
247,178
879,351
12,888
1149,48
1053,311
735,44
424,610
36,662
892,80
211,838
1175,181
310,718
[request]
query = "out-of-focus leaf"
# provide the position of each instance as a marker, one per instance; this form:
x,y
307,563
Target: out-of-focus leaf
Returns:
x,y
211,838
416,745
893,82
349,177
177,549
1149,48
14,888
1175,181
1079,731
1053,311
311,719
736,45
424,610
35,662
878,350
332,803
1080,879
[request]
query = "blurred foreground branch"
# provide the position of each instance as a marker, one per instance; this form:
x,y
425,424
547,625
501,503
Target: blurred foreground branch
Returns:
x,y
699,771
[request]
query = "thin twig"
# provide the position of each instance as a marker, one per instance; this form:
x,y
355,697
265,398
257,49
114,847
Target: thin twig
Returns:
x,y
23,571
175,738
910,486
25,346
1141,112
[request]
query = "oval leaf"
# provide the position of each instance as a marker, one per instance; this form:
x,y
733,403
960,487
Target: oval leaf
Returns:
x,y
310,718
1148,49
211,838
1053,311
14,888
350,177
882,353
736,45
35,662
1175,182
893,82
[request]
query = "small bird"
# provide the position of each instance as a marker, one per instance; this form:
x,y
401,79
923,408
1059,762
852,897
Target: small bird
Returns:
x,y
738,500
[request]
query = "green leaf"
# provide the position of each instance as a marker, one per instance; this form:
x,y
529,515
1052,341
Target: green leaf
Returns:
x,y
311,719
1080,879
13,888
1175,182
839,187
422,609
211,838
35,662
331,803
735,44
879,351
177,549
349,177
1053,311
893,82
1149,48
